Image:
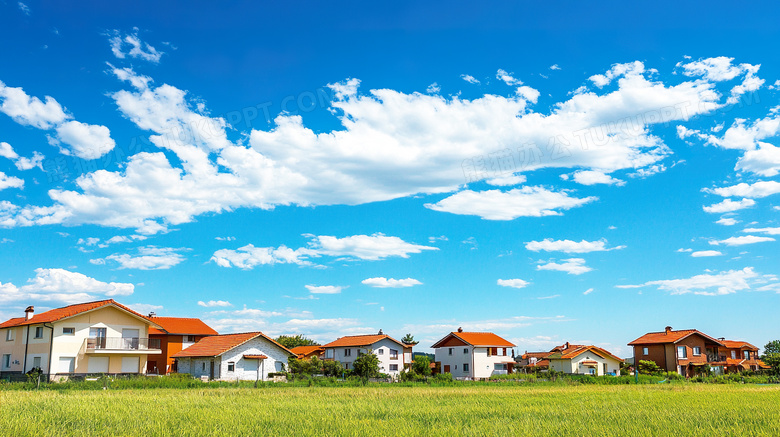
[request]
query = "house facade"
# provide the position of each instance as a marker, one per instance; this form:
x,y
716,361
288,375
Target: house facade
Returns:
x,y
583,360
102,337
249,356
683,351
735,357
175,335
394,356
474,355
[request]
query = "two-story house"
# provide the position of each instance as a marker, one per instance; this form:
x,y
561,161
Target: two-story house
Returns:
x,y
474,355
88,338
683,351
394,356
735,357
176,334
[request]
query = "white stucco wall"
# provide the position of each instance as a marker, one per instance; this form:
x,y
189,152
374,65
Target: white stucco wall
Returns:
x,y
575,365
480,365
245,369
381,349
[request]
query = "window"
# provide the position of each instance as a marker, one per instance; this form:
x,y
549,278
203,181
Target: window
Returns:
x,y
696,350
204,367
346,366
6,361
504,352
733,355
39,332
465,350
645,351
329,353
746,355
68,331
9,335
189,339
500,366
489,351
347,352
36,362
393,354
451,349
394,367
380,351
682,352
231,366
465,367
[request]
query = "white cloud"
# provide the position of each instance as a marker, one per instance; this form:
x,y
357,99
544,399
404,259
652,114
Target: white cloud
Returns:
x,y
249,256
24,8
131,45
507,78
324,289
706,253
555,67
727,221
770,231
741,241
572,266
528,93
86,141
147,258
433,88
30,111
618,70
366,247
706,284
684,250
10,181
714,69
469,78
756,190
6,151
225,238
569,246
514,283
587,292
763,161
62,286
509,205
505,181
591,177
214,303
382,282
729,205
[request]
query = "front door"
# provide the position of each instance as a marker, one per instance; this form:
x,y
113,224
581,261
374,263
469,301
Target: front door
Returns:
x,y
446,368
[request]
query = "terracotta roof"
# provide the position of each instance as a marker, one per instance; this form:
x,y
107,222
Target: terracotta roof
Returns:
x,y
731,344
69,311
575,350
181,325
306,350
360,340
480,339
219,344
255,357
670,337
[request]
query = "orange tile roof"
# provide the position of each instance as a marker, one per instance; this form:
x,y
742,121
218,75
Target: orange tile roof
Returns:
x,y
360,340
255,357
306,350
481,339
670,337
181,325
219,344
731,344
577,350
56,314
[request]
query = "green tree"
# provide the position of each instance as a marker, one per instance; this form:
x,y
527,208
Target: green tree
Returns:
x,y
773,347
366,365
771,356
409,339
647,367
421,365
332,368
291,341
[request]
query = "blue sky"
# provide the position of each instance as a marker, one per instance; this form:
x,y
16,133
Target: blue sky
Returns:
x,y
549,173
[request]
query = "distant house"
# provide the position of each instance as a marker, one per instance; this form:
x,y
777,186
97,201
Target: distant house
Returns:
x,y
735,357
583,360
394,356
474,355
684,351
531,362
88,338
306,352
176,334
246,356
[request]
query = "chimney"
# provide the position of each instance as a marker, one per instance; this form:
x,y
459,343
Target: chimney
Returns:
x,y
722,338
29,312
460,329
668,330
152,314
567,345
381,333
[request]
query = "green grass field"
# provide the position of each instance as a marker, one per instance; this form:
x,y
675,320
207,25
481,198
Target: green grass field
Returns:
x,y
658,410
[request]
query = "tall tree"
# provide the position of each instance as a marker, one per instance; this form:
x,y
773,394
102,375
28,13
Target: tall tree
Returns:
x,y
291,341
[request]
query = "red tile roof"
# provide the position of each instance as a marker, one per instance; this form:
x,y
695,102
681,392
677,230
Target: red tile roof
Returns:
x,y
302,351
577,350
219,344
57,314
731,344
181,325
480,339
360,340
255,357
670,337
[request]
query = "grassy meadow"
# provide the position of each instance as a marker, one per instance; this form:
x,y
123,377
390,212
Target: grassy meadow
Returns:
x,y
657,410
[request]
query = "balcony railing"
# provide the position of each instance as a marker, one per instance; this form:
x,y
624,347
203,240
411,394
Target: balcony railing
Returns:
x,y
122,343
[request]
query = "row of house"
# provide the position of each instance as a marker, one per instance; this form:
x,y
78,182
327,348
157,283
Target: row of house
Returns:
x,y
108,337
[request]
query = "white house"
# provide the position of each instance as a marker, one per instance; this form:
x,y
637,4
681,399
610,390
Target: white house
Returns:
x,y
81,339
474,355
246,356
584,360
394,356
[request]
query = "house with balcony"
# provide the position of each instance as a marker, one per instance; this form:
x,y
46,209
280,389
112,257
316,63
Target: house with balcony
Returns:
x,y
684,351
576,359
394,356
176,334
248,356
474,355
102,337
735,357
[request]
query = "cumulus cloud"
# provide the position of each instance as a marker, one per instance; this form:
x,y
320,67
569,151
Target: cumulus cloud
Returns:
x,y
382,282
714,69
729,205
214,303
569,246
30,111
741,241
770,231
59,285
592,177
514,283
507,78
131,45
249,256
505,181
145,258
10,181
727,221
469,78
756,190
706,284
324,289
572,266
86,141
